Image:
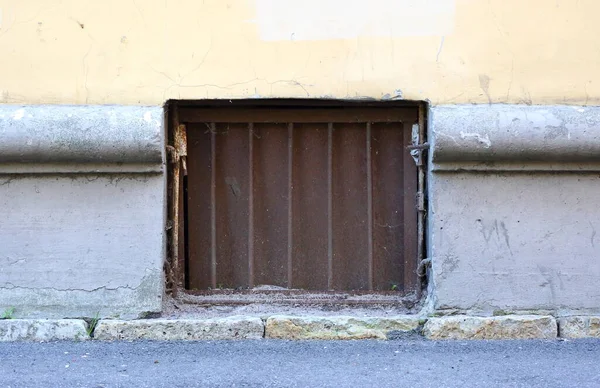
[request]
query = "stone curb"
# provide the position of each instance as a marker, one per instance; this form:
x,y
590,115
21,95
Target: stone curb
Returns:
x,y
181,329
43,330
579,327
305,328
504,327
340,327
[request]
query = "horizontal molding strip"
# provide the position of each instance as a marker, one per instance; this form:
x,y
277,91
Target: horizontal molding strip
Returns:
x,y
81,139
515,138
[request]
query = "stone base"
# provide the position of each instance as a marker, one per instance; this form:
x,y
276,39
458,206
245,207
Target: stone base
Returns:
x,y
43,330
304,328
181,329
339,328
505,327
579,327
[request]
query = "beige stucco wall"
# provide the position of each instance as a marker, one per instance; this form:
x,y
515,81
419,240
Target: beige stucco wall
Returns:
x,y
448,51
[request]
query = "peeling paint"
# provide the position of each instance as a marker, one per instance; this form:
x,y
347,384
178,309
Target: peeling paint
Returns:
x,y
515,137
485,140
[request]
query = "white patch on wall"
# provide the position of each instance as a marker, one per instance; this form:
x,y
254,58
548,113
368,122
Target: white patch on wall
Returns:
x,y
19,114
346,19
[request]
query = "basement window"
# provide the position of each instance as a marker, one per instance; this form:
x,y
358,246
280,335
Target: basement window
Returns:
x,y
304,196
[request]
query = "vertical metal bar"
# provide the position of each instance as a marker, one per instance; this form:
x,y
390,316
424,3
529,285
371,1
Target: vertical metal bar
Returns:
x,y
329,206
175,238
251,205
180,142
213,204
176,210
290,187
369,207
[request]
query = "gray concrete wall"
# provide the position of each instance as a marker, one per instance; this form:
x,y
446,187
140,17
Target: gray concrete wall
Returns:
x,y
514,208
82,210
512,219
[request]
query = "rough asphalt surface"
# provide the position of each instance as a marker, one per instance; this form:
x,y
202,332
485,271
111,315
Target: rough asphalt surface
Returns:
x,y
402,363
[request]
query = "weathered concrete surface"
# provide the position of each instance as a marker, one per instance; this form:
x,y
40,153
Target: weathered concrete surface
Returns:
x,y
43,330
514,236
505,327
50,138
515,137
339,328
579,327
515,241
82,203
181,329
80,245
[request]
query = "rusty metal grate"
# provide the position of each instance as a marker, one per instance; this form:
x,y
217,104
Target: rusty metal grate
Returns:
x,y
311,199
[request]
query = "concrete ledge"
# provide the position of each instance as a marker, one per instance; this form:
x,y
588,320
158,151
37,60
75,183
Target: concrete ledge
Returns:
x,y
59,139
181,329
339,328
515,137
43,330
579,327
505,327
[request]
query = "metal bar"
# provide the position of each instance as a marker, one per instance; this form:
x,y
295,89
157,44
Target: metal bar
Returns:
x,y
329,206
424,146
251,205
178,153
369,207
290,187
297,292
205,302
175,236
213,204
297,115
180,142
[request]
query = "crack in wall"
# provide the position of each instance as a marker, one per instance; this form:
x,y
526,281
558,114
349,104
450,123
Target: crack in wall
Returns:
x,y
11,286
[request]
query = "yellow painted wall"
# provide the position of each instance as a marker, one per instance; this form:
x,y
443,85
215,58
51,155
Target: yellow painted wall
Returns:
x,y
148,51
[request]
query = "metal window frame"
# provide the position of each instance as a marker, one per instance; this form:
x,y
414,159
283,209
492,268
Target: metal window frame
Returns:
x,y
178,111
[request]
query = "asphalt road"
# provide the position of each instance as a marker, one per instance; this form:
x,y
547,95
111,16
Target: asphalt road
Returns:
x,y
402,363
